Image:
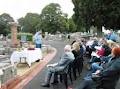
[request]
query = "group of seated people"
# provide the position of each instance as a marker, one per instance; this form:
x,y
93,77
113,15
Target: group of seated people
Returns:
x,y
104,71
104,64
71,54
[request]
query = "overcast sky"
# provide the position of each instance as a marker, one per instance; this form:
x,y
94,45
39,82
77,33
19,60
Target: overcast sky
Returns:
x,y
19,8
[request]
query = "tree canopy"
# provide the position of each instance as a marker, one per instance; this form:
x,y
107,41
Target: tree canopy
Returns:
x,y
52,19
97,12
29,22
4,26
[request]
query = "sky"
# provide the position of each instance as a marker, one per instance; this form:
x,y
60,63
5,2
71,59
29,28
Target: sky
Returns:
x,y
19,8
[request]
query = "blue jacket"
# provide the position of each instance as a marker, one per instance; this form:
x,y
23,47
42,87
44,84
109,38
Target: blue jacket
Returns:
x,y
37,39
95,66
112,37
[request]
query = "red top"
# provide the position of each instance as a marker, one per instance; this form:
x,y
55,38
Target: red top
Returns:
x,y
101,52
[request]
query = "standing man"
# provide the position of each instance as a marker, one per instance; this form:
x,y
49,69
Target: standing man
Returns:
x,y
38,39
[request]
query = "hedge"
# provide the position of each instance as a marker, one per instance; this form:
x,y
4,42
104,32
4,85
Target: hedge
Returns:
x,y
29,36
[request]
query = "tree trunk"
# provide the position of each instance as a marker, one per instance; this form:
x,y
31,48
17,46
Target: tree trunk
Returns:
x,y
99,31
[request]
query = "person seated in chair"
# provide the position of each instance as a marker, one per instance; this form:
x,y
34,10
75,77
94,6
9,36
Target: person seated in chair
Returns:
x,y
106,78
67,58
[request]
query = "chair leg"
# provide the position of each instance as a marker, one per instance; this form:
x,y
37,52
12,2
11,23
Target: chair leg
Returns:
x,y
65,80
78,68
74,73
81,67
70,77
61,78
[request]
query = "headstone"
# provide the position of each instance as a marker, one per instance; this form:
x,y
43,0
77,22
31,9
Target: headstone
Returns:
x,y
23,38
1,36
8,71
2,48
46,35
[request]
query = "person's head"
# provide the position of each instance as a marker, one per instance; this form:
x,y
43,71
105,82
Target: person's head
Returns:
x,y
95,38
76,46
104,42
39,32
67,48
73,42
116,52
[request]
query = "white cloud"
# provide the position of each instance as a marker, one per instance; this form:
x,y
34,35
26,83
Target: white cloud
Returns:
x,y
19,8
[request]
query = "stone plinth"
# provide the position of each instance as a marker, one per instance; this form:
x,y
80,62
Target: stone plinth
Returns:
x,y
13,27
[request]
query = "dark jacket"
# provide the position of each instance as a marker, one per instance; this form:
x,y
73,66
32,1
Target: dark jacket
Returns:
x,y
77,55
110,75
95,43
107,50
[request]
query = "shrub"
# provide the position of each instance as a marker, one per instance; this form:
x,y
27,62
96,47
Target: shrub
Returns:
x,y
29,36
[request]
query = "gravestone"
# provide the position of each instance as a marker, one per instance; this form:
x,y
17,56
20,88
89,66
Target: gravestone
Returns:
x,y
2,48
23,38
7,72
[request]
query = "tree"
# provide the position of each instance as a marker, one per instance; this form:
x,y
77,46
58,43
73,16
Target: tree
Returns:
x,y
111,13
72,26
85,12
53,20
30,22
7,17
4,26
78,16
98,13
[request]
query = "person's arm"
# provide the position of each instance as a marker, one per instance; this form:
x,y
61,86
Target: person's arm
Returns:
x,y
97,66
112,69
52,65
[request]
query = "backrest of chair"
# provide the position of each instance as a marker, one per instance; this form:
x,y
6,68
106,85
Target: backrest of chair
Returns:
x,y
68,67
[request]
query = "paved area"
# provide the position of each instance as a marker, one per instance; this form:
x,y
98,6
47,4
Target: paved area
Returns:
x,y
37,80
35,83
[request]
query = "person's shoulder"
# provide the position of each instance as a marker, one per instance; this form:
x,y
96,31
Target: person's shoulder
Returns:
x,y
118,60
68,53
